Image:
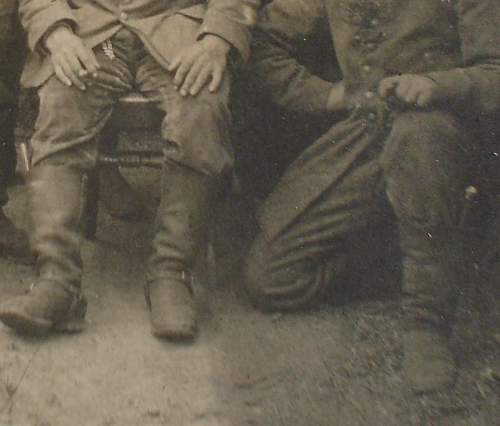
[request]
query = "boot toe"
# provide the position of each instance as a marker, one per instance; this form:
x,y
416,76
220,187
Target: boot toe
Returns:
x,y
15,315
175,329
428,364
45,308
173,314
433,376
174,321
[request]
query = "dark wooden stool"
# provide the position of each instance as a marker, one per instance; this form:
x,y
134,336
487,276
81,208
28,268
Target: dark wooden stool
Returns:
x,y
133,113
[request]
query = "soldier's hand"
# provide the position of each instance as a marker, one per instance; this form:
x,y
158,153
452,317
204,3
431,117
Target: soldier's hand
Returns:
x,y
203,62
410,88
73,61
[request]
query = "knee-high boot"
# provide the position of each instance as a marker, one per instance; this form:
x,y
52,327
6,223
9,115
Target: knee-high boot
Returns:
x,y
55,301
434,267
183,217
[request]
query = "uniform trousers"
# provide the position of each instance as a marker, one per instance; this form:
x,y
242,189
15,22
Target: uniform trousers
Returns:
x,y
195,129
414,167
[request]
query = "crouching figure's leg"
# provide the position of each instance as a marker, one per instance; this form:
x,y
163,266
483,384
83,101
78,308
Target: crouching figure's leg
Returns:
x,y
426,166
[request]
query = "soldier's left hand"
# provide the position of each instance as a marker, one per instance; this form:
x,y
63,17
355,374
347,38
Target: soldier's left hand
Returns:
x,y
203,62
412,89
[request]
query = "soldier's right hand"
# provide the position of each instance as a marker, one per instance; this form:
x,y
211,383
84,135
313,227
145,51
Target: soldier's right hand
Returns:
x,y
72,60
413,89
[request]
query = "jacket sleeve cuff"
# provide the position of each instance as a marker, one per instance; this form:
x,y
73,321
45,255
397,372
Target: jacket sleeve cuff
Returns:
x,y
46,21
238,34
454,85
317,101
41,47
308,96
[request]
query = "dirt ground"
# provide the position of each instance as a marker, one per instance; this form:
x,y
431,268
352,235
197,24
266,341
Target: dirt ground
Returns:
x,y
338,365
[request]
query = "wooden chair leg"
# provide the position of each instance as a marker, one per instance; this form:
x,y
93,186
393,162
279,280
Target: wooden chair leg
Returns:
x,y
91,205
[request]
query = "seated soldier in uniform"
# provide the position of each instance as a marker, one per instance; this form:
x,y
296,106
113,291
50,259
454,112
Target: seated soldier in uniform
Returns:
x,y
117,196
419,79
85,56
13,241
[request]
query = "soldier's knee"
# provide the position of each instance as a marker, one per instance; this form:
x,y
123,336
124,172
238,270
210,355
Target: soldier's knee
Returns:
x,y
274,292
205,109
272,284
423,138
198,133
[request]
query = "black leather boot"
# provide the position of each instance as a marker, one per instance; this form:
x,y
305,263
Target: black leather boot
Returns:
x,y
434,267
55,301
187,198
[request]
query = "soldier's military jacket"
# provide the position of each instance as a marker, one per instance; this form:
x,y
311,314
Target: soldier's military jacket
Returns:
x,y
454,42
97,20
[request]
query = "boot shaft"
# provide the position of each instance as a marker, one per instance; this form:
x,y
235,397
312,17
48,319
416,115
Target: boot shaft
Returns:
x,y
56,195
185,213
436,265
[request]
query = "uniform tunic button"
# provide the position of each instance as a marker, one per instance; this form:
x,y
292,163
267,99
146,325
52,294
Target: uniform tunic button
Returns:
x,y
369,95
123,16
367,68
372,116
374,22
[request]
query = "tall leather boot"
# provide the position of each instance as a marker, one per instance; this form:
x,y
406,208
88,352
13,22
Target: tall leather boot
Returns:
x,y
182,223
434,266
55,300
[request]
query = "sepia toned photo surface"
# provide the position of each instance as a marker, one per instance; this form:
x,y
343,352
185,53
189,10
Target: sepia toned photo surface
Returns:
x,y
249,212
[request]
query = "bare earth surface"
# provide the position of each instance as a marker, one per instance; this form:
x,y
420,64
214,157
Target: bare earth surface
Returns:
x,y
339,365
